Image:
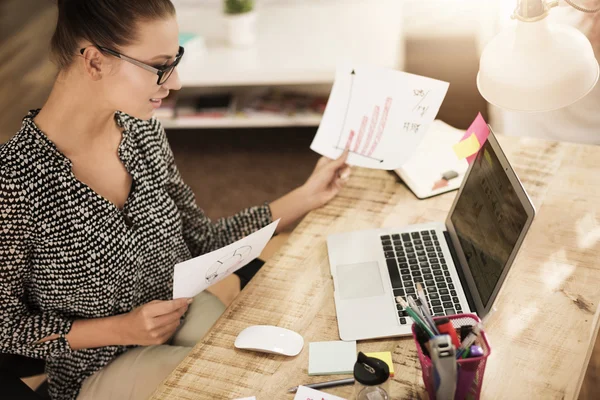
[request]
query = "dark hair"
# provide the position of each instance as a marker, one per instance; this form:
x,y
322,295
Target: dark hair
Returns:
x,y
108,23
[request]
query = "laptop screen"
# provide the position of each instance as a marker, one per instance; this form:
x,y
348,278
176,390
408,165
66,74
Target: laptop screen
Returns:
x,y
488,219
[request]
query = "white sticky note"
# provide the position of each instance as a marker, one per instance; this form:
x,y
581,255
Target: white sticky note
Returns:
x,y
193,276
331,358
381,115
306,393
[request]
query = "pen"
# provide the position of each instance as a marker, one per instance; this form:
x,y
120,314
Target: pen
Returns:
x,y
418,309
425,309
414,316
322,385
421,294
412,304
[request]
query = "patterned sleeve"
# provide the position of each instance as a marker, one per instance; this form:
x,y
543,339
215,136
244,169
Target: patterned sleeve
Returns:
x,y
200,233
20,328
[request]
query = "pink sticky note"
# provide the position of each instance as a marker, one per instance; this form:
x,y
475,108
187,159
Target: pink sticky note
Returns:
x,y
480,128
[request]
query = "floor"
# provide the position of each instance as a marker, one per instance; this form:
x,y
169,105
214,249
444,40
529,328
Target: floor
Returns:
x,y
227,170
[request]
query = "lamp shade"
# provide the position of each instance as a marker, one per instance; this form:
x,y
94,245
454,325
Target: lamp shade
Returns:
x,y
537,66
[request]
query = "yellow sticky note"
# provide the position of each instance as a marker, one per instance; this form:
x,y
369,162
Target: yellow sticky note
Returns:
x,y
467,147
384,356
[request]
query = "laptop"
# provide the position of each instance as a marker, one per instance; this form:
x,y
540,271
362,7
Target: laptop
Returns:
x,y
461,263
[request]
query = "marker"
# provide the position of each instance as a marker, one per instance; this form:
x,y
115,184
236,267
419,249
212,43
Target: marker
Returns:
x,y
445,326
475,351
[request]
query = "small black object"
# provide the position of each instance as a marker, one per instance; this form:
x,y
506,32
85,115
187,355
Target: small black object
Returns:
x,y
464,331
247,272
422,338
449,175
370,371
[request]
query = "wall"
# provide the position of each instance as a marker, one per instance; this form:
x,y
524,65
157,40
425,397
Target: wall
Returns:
x,y
442,38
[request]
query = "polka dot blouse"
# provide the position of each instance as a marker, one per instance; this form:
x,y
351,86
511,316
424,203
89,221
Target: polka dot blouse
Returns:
x,y
67,253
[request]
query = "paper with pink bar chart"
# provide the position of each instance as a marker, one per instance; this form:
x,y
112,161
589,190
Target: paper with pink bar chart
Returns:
x,y
381,115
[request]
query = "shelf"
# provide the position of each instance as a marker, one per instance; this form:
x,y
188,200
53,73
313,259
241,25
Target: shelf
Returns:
x,y
255,121
298,42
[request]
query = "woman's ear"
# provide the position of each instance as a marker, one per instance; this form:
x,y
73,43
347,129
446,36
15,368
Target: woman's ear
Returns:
x,y
95,63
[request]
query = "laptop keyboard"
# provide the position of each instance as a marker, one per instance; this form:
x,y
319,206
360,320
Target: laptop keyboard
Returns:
x,y
417,257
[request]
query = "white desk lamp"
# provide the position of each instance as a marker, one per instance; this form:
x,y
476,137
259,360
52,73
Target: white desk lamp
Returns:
x,y
535,65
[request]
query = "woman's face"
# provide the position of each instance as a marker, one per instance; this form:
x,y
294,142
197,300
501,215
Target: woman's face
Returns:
x,y
134,90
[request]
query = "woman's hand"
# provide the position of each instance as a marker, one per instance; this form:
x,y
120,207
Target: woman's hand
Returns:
x,y
327,179
322,185
152,323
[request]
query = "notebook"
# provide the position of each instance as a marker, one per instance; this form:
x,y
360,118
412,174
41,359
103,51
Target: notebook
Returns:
x,y
423,172
331,358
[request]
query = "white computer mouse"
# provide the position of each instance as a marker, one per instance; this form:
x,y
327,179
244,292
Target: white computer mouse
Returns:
x,y
270,339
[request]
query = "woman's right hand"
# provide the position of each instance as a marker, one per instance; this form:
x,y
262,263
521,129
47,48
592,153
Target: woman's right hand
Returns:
x,y
152,323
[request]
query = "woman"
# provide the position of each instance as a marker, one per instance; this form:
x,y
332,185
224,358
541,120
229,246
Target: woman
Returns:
x,y
95,214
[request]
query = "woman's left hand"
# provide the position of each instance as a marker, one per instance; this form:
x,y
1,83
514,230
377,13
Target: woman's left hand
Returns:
x,y
327,179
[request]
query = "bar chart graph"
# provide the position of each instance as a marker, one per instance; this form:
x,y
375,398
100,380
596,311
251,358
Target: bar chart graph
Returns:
x,y
378,115
366,141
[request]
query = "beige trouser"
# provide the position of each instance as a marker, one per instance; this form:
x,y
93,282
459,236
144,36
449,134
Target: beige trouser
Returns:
x,y
136,373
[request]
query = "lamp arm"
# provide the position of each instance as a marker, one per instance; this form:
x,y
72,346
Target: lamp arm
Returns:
x,y
582,9
535,10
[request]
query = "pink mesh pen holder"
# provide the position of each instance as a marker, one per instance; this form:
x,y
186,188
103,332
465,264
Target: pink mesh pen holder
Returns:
x,y
470,370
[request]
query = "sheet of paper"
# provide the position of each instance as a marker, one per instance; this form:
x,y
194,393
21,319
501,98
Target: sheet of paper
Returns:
x,y
193,276
381,115
306,393
331,358
467,147
248,398
481,130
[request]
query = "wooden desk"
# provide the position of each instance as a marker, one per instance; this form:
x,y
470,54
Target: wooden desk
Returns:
x,y
541,334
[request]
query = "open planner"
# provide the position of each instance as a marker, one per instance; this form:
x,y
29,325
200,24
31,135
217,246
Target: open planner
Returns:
x,y
424,172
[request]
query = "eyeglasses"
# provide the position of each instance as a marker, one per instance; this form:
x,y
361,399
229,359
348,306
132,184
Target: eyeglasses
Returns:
x,y
163,72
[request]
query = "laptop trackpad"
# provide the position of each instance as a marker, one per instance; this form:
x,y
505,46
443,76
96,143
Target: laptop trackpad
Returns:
x,y
359,280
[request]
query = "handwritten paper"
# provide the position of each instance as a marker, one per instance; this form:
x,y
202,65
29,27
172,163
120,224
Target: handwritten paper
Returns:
x,y
193,276
467,147
379,114
306,393
481,130
424,171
